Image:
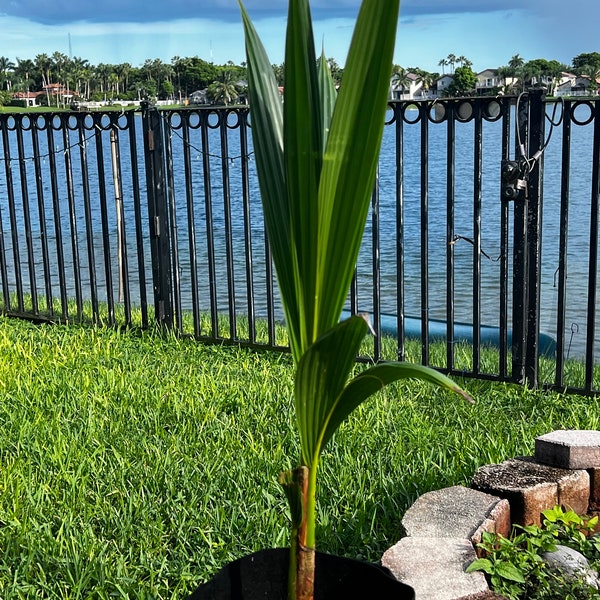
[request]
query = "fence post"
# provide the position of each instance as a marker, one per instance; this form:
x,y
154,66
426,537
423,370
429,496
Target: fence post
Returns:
x,y
160,243
537,119
527,194
516,192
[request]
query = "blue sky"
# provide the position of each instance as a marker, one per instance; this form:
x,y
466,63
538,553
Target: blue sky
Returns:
x,y
488,32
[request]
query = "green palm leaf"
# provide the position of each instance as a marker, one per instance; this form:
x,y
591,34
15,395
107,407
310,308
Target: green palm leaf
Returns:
x,y
328,95
320,379
351,155
374,379
316,201
324,399
268,141
303,134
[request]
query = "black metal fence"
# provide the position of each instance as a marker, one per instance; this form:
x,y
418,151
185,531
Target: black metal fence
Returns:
x,y
480,255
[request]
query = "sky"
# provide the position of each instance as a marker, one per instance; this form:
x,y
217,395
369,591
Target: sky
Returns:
x,y
487,32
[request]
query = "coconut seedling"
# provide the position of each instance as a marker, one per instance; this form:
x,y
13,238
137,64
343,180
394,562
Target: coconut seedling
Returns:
x,y
316,155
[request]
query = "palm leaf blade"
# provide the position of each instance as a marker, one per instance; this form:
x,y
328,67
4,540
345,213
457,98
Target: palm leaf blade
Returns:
x,y
303,157
351,154
268,142
374,379
320,378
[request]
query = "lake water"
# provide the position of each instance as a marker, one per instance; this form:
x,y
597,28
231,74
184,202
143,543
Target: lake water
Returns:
x,y
205,168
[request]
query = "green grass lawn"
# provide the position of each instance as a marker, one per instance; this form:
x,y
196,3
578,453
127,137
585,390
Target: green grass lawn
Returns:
x,y
135,464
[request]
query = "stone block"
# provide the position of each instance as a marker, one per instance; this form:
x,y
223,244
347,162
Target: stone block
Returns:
x,y
425,563
574,491
532,501
456,512
531,488
569,449
497,522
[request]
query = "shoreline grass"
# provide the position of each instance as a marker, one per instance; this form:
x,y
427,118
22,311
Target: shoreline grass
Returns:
x,y
135,464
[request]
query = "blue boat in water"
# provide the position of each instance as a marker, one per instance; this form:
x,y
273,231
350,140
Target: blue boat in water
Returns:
x,y
463,332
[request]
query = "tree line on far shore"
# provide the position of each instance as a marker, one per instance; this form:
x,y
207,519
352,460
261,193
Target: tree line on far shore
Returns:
x,y
223,84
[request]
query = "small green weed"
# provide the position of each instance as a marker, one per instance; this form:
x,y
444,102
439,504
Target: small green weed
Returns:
x,y
516,569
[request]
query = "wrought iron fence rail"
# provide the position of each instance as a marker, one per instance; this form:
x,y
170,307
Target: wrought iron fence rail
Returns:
x,y
129,218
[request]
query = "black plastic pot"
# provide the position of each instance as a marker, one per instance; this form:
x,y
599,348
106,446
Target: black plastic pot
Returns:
x,y
264,575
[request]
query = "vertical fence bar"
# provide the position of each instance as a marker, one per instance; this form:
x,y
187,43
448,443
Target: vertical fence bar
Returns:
x,y
123,264
89,221
354,293
478,165
110,294
519,254
58,230
3,262
376,262
210,242
137,206
27,216
563,243
10,192
39,184
72,219
537,116
593,263
450,202
3,269
245,158
191,217
173,226
424,234
504,247
399,139
158,215
270,292
223,116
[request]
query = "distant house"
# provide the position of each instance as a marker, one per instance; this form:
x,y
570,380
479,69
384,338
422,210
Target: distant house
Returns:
x,y
577,85
198,97
406,88
490,83
59,92
27,99
442,83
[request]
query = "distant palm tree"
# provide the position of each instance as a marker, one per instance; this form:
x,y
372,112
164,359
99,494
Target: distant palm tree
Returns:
x,y
463,61
504,73
443,63
101,74
78,71
593,72
426,80
180,65
516,65
451,61
516,62
6,65
43,64
400,80
224,90
123,70
24,71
